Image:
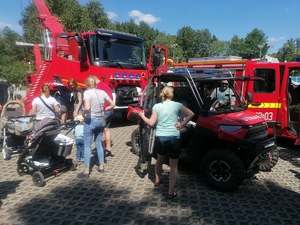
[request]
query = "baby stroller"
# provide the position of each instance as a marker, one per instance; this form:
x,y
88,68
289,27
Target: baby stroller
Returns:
x,y
14,127
46,153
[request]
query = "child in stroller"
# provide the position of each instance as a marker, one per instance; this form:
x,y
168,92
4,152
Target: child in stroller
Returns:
x,y
14,127
47,151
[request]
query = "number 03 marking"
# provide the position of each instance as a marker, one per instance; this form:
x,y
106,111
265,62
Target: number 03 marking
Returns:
x,y
266,115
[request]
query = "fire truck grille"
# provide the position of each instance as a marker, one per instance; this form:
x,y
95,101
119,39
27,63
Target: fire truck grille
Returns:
x,y
257,132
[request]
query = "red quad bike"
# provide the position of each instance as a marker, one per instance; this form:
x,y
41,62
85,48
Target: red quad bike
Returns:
x,y
228,142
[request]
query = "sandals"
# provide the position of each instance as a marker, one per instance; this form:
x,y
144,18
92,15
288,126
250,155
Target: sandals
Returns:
x,y
173,195
108,153
83,175
101,170
157,183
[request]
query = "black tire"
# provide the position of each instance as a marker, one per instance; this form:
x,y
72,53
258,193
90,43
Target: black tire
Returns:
x,y
38,179
5,153
23,169
267,165
124,115
135,141
222,170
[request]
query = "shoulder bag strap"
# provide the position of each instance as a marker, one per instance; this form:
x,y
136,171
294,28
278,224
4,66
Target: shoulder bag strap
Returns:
x,y
47,105
101,105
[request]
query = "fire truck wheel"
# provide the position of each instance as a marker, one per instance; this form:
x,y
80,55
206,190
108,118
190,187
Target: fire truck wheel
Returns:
x,y
135,141
222,170
268,164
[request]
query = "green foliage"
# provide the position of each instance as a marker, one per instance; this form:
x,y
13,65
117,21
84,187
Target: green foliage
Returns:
x,y
289,52
253,40
75,17
11,57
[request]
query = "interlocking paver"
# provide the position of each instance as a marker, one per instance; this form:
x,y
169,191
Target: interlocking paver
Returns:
x,y
120,196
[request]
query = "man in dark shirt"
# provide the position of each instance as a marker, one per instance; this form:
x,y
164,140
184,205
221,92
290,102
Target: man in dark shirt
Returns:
x,y
3,92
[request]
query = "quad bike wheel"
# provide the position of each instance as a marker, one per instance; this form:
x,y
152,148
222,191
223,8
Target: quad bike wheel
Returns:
x,y
124,116
38,179
22,169
270,161
222,170
5,153
135,141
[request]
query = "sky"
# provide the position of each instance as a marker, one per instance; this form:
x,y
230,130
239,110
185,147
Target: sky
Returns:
x,y
278,19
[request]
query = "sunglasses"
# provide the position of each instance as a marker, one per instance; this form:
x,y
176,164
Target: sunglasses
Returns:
x,y
225,84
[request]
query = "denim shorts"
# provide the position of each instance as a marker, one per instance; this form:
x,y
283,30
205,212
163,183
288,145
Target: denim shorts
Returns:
x,y
108,116
168,145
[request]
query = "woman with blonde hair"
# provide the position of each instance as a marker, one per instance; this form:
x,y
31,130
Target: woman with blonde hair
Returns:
x,y
92,112
167,138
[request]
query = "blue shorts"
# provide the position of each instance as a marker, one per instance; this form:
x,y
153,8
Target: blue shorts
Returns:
x,y
168,145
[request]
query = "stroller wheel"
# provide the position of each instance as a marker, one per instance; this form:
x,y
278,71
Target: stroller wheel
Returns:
x,y
23,169
71,164
38,179
5,153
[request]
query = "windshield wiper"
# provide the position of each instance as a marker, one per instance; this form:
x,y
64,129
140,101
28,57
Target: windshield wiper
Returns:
x,y
114,64
140,65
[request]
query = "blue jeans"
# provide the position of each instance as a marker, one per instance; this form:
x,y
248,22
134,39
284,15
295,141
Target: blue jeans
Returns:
x,y
79,147
93,128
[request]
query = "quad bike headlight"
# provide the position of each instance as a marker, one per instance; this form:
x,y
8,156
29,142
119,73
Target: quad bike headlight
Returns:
x,y
229,128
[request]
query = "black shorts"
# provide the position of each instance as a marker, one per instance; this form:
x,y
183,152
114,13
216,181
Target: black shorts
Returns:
x,y
168,145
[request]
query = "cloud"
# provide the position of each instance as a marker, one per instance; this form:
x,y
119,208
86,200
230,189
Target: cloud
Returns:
x,y
111,15
138,17
275,39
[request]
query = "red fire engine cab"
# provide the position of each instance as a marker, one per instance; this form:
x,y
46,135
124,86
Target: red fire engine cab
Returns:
x,y
276,98
118,59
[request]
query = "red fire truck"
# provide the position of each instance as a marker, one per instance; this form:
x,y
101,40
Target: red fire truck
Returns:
x,y
276,98
118,59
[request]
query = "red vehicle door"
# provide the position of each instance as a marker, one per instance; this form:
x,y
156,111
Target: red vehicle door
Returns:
x,y
266,94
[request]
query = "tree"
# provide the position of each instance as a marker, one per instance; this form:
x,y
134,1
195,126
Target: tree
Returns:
x,y
236,46
29,23
186,38
287,52
253,40
97,15
11,57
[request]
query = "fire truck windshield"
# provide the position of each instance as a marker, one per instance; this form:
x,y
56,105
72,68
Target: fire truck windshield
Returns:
x,y
115,52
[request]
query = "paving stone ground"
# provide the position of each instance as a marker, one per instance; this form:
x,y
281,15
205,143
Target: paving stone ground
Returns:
x,y
121,196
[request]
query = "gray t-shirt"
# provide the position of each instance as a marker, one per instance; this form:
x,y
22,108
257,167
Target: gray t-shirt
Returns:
x,y
97,99
223,96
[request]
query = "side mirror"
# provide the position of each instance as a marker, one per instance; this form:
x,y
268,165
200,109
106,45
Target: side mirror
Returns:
x,y
157,50
250,97
79,40
156,60
82,54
